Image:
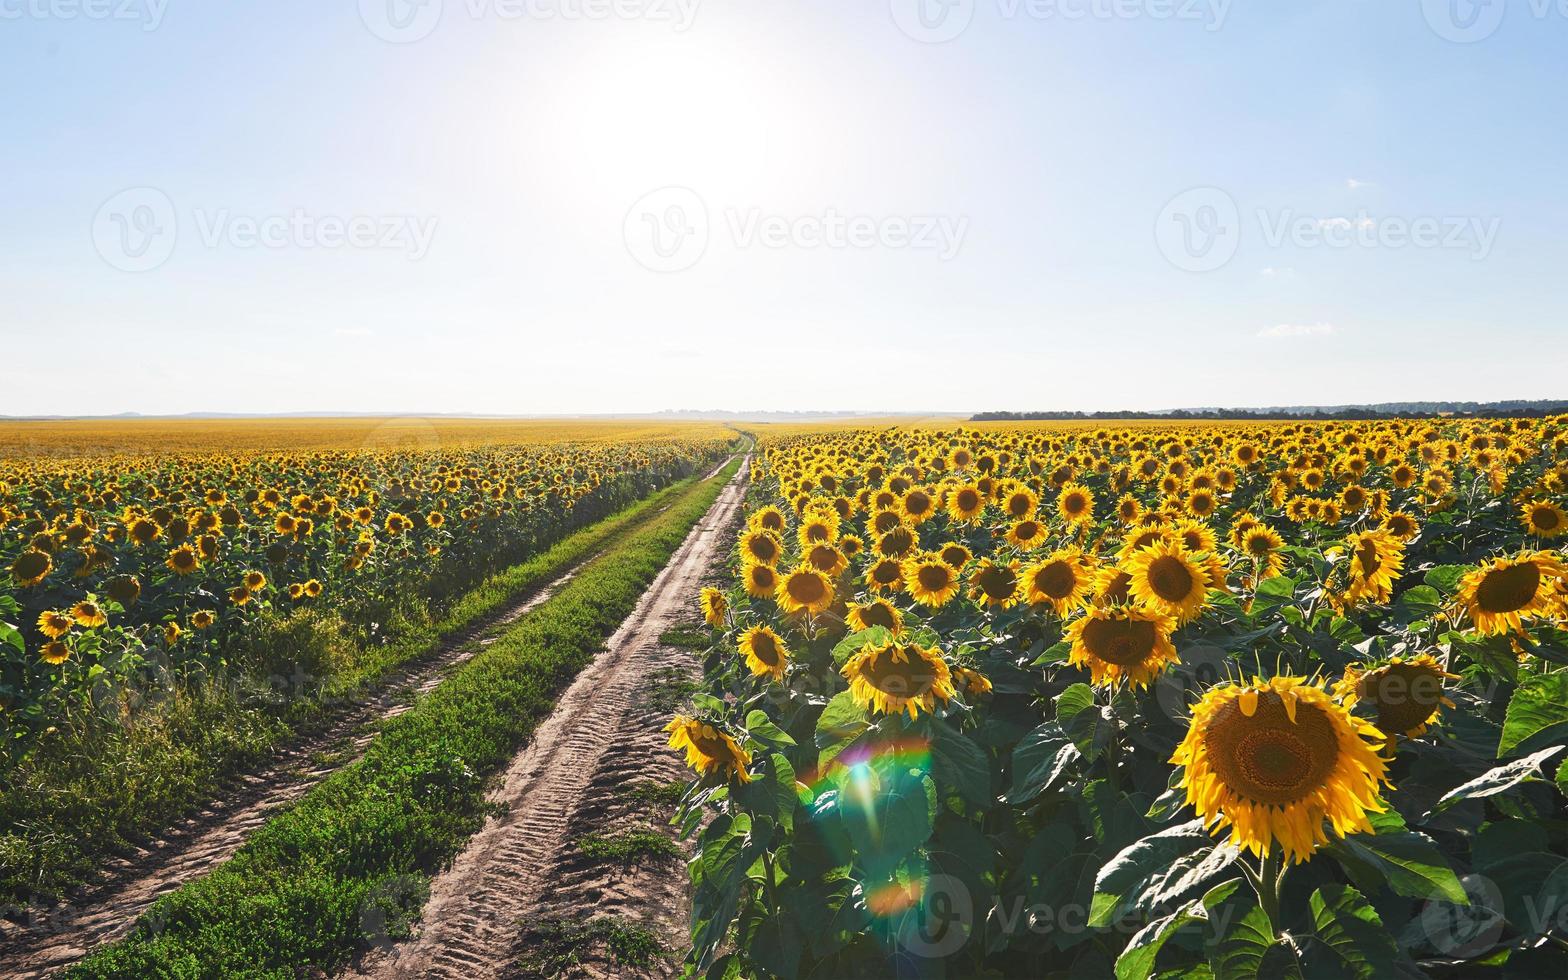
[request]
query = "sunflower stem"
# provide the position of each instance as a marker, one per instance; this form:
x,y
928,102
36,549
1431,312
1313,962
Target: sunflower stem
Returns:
x,y
768,884
1268,883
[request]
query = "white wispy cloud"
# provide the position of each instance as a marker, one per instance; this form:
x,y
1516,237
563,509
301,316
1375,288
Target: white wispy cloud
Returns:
x,y
1355,184
1283,330
1276,272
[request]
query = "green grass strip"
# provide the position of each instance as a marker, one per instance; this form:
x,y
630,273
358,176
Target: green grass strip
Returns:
x,y
348,864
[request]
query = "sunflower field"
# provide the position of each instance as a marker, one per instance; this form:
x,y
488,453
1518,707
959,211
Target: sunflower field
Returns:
x,y
127,574
1177,700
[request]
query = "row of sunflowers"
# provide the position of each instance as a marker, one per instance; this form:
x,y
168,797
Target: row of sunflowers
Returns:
x,y
1187,700
125,574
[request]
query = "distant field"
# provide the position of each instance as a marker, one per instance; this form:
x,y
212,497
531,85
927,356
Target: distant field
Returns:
x,y
108,436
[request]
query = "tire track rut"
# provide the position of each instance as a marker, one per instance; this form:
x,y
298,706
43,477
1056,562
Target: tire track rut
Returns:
x,y
506,875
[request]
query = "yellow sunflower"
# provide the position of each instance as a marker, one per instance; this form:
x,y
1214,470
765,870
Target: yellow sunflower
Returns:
x,y
1262,544
805,590
1064,581
202,619
1544,519
183,560
1274,760
55,653
885,575
1168,579
971,681
254,581
1122,644
709,751
895,678
995,585
765,652
965,503
826,559
1076,504
761,547
1376,559
956,555
54,625
761,581
877,612
89,615
714,605
1503,592
1406,694
1026,535
929,580
1401,525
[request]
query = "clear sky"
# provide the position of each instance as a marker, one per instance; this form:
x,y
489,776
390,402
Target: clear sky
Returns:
x,y
538,206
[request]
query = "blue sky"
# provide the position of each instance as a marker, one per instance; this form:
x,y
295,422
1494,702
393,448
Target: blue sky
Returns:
x,y
536,206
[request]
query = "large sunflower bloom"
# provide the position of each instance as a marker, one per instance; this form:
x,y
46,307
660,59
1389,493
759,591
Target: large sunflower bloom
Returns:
x,y
1120,644
1026,535
1503,592
762,547
1064,581
761,581
1076,504
1544,519
89,615
896,678
995,585
805,590
965,504
1168,579
929,580
1276,759
709,751
765,652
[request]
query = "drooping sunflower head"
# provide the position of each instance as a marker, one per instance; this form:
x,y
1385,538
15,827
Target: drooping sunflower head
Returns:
x,y
31,567
1406,694
876,612
761,581
254,581
1064,581
899,677
805,590
1274,760
124,589
971,682
714,605
1401,525
897,543
1376,559
929,580
826,559
995,585
55,653
203,619
709,750
1122,644
765,652
1504,592
1168,579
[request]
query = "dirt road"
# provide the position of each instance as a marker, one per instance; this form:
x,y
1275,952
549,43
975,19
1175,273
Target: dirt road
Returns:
x,y
524,866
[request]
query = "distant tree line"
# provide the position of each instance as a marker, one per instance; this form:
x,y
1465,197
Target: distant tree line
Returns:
x,y
1332,413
